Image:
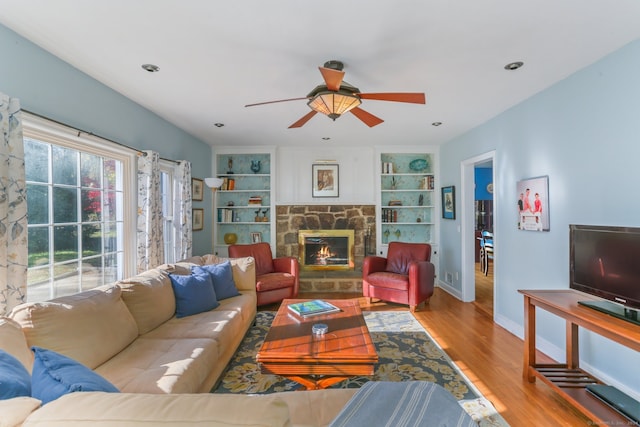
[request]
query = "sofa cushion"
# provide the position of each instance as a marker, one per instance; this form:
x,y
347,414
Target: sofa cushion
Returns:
x,y
181,268
244,270
55,375
150,299
13,341
169,365
184,410
194,294
90,326
222,278
15,380
15,411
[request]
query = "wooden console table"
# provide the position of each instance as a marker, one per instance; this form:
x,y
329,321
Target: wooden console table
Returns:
x,y
567,378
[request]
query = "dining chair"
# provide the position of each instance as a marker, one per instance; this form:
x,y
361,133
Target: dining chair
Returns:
x,y
486,250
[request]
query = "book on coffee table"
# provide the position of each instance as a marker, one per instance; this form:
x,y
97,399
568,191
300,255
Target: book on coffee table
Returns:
x,y
312,308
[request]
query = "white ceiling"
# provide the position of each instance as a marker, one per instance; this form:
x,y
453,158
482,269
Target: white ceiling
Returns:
x,y
216,56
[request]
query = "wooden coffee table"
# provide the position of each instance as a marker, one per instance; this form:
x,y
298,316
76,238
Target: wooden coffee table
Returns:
x,y
291,350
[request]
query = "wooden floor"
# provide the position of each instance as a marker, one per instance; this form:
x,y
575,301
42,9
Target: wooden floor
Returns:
x,y
489,356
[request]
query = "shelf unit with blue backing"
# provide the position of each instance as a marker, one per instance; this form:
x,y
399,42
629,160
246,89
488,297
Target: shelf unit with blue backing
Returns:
x,y
234,213
407,198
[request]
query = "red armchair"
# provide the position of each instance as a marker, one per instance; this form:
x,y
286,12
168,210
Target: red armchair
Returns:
x,y
276,278
406,276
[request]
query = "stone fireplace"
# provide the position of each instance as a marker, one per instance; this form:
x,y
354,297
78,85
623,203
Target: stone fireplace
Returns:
x,y
326,249
360,219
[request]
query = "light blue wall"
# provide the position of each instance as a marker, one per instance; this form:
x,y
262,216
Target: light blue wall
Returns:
x,y
584,133
52,88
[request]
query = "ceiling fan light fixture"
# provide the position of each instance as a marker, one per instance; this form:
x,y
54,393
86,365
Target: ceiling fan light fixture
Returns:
x,y
333,104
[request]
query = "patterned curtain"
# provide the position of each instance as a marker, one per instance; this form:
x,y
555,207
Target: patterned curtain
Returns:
x,y
149,228
182,226
13,207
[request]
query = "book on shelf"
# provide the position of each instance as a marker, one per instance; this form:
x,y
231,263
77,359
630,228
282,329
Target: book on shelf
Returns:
x,y
255,200
312,308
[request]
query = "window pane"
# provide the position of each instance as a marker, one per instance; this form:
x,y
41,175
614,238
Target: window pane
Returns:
x,y
111,171
66,279
90,171
110,235
38,204
65,204
65,242
111,270
91,240
65,165
91,205
38,246
37,168
92,273
38,283
111,201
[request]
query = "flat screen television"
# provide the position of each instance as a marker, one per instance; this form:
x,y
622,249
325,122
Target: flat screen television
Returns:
x,y
605,261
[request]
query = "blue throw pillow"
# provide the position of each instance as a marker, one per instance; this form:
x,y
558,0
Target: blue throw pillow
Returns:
x,y
55,375
222,276
15,380
194,294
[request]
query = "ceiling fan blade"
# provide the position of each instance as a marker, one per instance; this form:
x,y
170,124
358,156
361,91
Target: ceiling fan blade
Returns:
x,y
273,102
333,78
303,120
368,118
414,98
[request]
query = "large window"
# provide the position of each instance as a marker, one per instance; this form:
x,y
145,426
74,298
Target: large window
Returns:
x,y
78,196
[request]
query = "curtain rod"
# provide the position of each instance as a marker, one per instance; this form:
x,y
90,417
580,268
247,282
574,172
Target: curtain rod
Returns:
x,y
80,131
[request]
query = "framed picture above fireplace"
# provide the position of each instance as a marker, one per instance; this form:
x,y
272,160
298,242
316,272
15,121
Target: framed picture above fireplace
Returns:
x,y
325,180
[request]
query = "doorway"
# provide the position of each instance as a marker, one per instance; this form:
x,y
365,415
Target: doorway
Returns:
x,y
476,286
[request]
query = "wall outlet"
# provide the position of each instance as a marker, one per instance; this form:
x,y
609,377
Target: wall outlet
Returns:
x,y
448,277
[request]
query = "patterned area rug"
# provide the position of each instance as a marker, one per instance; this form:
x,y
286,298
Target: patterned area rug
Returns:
x,y
406,352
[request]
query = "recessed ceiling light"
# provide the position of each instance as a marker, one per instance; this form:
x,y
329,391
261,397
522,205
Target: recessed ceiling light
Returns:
x,y
325,138
512,66
150,68
436,123
218,125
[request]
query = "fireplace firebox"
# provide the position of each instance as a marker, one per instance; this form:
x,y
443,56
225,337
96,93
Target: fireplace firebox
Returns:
x,y
326,249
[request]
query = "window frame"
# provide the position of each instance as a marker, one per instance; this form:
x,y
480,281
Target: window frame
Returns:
x,y
48,131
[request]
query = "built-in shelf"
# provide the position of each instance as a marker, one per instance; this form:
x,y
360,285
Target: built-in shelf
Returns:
x,y
406,198
234,212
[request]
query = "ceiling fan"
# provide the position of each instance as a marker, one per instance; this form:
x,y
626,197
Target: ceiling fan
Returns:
x,y
336,97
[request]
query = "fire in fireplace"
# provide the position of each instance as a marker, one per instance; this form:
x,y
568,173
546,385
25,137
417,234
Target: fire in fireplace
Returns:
x,y
326,249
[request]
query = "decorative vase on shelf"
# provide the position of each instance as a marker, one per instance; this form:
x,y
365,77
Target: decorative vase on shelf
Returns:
x,y
230,238
255,166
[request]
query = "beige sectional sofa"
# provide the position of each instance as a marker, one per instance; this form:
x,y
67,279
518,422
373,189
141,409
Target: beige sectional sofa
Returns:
x,y
164,366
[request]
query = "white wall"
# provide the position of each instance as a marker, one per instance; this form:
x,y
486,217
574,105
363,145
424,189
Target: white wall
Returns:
x,y
584,134
357,172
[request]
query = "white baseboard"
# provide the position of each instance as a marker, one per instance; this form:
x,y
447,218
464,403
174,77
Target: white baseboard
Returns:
x,y
449,289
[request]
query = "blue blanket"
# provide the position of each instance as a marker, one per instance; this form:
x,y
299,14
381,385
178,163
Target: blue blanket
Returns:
x,y
397,404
